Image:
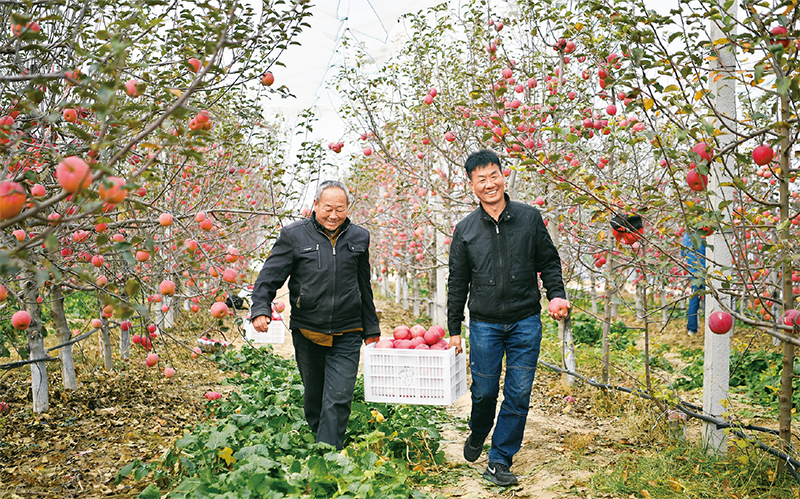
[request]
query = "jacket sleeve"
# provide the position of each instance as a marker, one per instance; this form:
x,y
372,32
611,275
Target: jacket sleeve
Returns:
x,y
272,276
548,262
457,283
369,317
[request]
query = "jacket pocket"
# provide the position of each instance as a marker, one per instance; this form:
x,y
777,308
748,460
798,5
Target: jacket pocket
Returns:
x,y
481,294
310,255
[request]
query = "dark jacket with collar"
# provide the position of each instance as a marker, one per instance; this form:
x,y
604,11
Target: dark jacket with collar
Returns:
x,y
329,287
497,263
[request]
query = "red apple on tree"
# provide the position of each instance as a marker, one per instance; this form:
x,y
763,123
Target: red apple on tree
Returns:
x,y
763,154
73,174
167,287
151,360
21,320
720,322
697,182
12,199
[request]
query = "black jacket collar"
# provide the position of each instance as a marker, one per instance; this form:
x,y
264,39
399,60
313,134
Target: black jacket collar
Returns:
x,y
505,215
322,230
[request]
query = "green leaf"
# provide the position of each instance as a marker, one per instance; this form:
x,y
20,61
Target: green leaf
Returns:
x,y
151,492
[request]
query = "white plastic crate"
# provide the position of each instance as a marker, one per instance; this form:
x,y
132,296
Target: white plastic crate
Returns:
x,y
417,377
276,333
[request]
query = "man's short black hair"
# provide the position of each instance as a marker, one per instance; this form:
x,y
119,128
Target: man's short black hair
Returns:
x,y
481,158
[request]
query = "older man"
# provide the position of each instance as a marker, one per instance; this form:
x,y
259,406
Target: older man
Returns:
x,y
496,254
327,258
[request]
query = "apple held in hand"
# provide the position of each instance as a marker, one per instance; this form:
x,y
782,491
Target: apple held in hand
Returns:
x,y
558,308
720,322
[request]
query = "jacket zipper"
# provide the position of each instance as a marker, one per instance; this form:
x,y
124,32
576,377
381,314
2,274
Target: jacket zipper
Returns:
x,y
500,275
319,258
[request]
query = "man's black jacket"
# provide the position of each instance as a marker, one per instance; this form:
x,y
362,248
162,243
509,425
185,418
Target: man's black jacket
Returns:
x,y
329,287
496,263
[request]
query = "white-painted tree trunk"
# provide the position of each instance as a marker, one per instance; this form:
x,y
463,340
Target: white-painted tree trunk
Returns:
x,y
105,336
716,367
405,291
415,285
442,268
39,383
64,334
125,344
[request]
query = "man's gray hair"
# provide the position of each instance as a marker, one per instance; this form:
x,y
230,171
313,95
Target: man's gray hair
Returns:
x,y
332,184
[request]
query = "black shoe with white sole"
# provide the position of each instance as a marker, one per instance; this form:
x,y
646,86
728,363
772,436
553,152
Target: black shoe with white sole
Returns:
x,y
473,446
499,474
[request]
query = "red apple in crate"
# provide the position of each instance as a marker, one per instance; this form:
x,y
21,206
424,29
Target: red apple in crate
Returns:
x,y
432,336
384,343
439,329
439,346
720,322
403,344
401,333
418,331
422,346
419,340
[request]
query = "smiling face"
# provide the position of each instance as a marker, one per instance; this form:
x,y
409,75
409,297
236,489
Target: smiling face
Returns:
x,y
488,184
331,208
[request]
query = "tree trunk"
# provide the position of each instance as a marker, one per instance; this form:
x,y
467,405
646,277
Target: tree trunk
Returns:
x,y
64,334
785,397
108,362
665,311
593,292
415,286
125,344
39,382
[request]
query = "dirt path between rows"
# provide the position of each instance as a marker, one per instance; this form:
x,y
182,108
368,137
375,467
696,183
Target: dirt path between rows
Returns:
x,y
564,442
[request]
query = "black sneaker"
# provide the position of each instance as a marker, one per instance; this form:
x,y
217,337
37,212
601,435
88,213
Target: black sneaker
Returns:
x,y
499,474
473,446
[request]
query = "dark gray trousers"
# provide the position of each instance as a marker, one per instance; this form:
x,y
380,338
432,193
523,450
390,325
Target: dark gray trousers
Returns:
x,y
329,378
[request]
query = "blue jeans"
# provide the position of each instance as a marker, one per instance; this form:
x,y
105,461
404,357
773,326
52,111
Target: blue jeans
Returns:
x,y
694,309
489,343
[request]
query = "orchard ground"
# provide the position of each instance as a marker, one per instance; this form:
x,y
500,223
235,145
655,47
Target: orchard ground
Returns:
x,y
77,448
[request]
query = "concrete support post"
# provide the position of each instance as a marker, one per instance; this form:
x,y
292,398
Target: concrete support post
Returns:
x,y
716,368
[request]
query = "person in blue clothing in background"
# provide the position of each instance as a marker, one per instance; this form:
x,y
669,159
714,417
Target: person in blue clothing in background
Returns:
x,y
696,260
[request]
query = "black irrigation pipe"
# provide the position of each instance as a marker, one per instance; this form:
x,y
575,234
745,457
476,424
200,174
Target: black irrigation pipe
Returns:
x,y
792,463
21,363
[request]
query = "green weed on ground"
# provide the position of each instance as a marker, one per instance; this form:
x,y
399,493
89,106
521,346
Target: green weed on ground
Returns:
x,y
686,472
257,444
